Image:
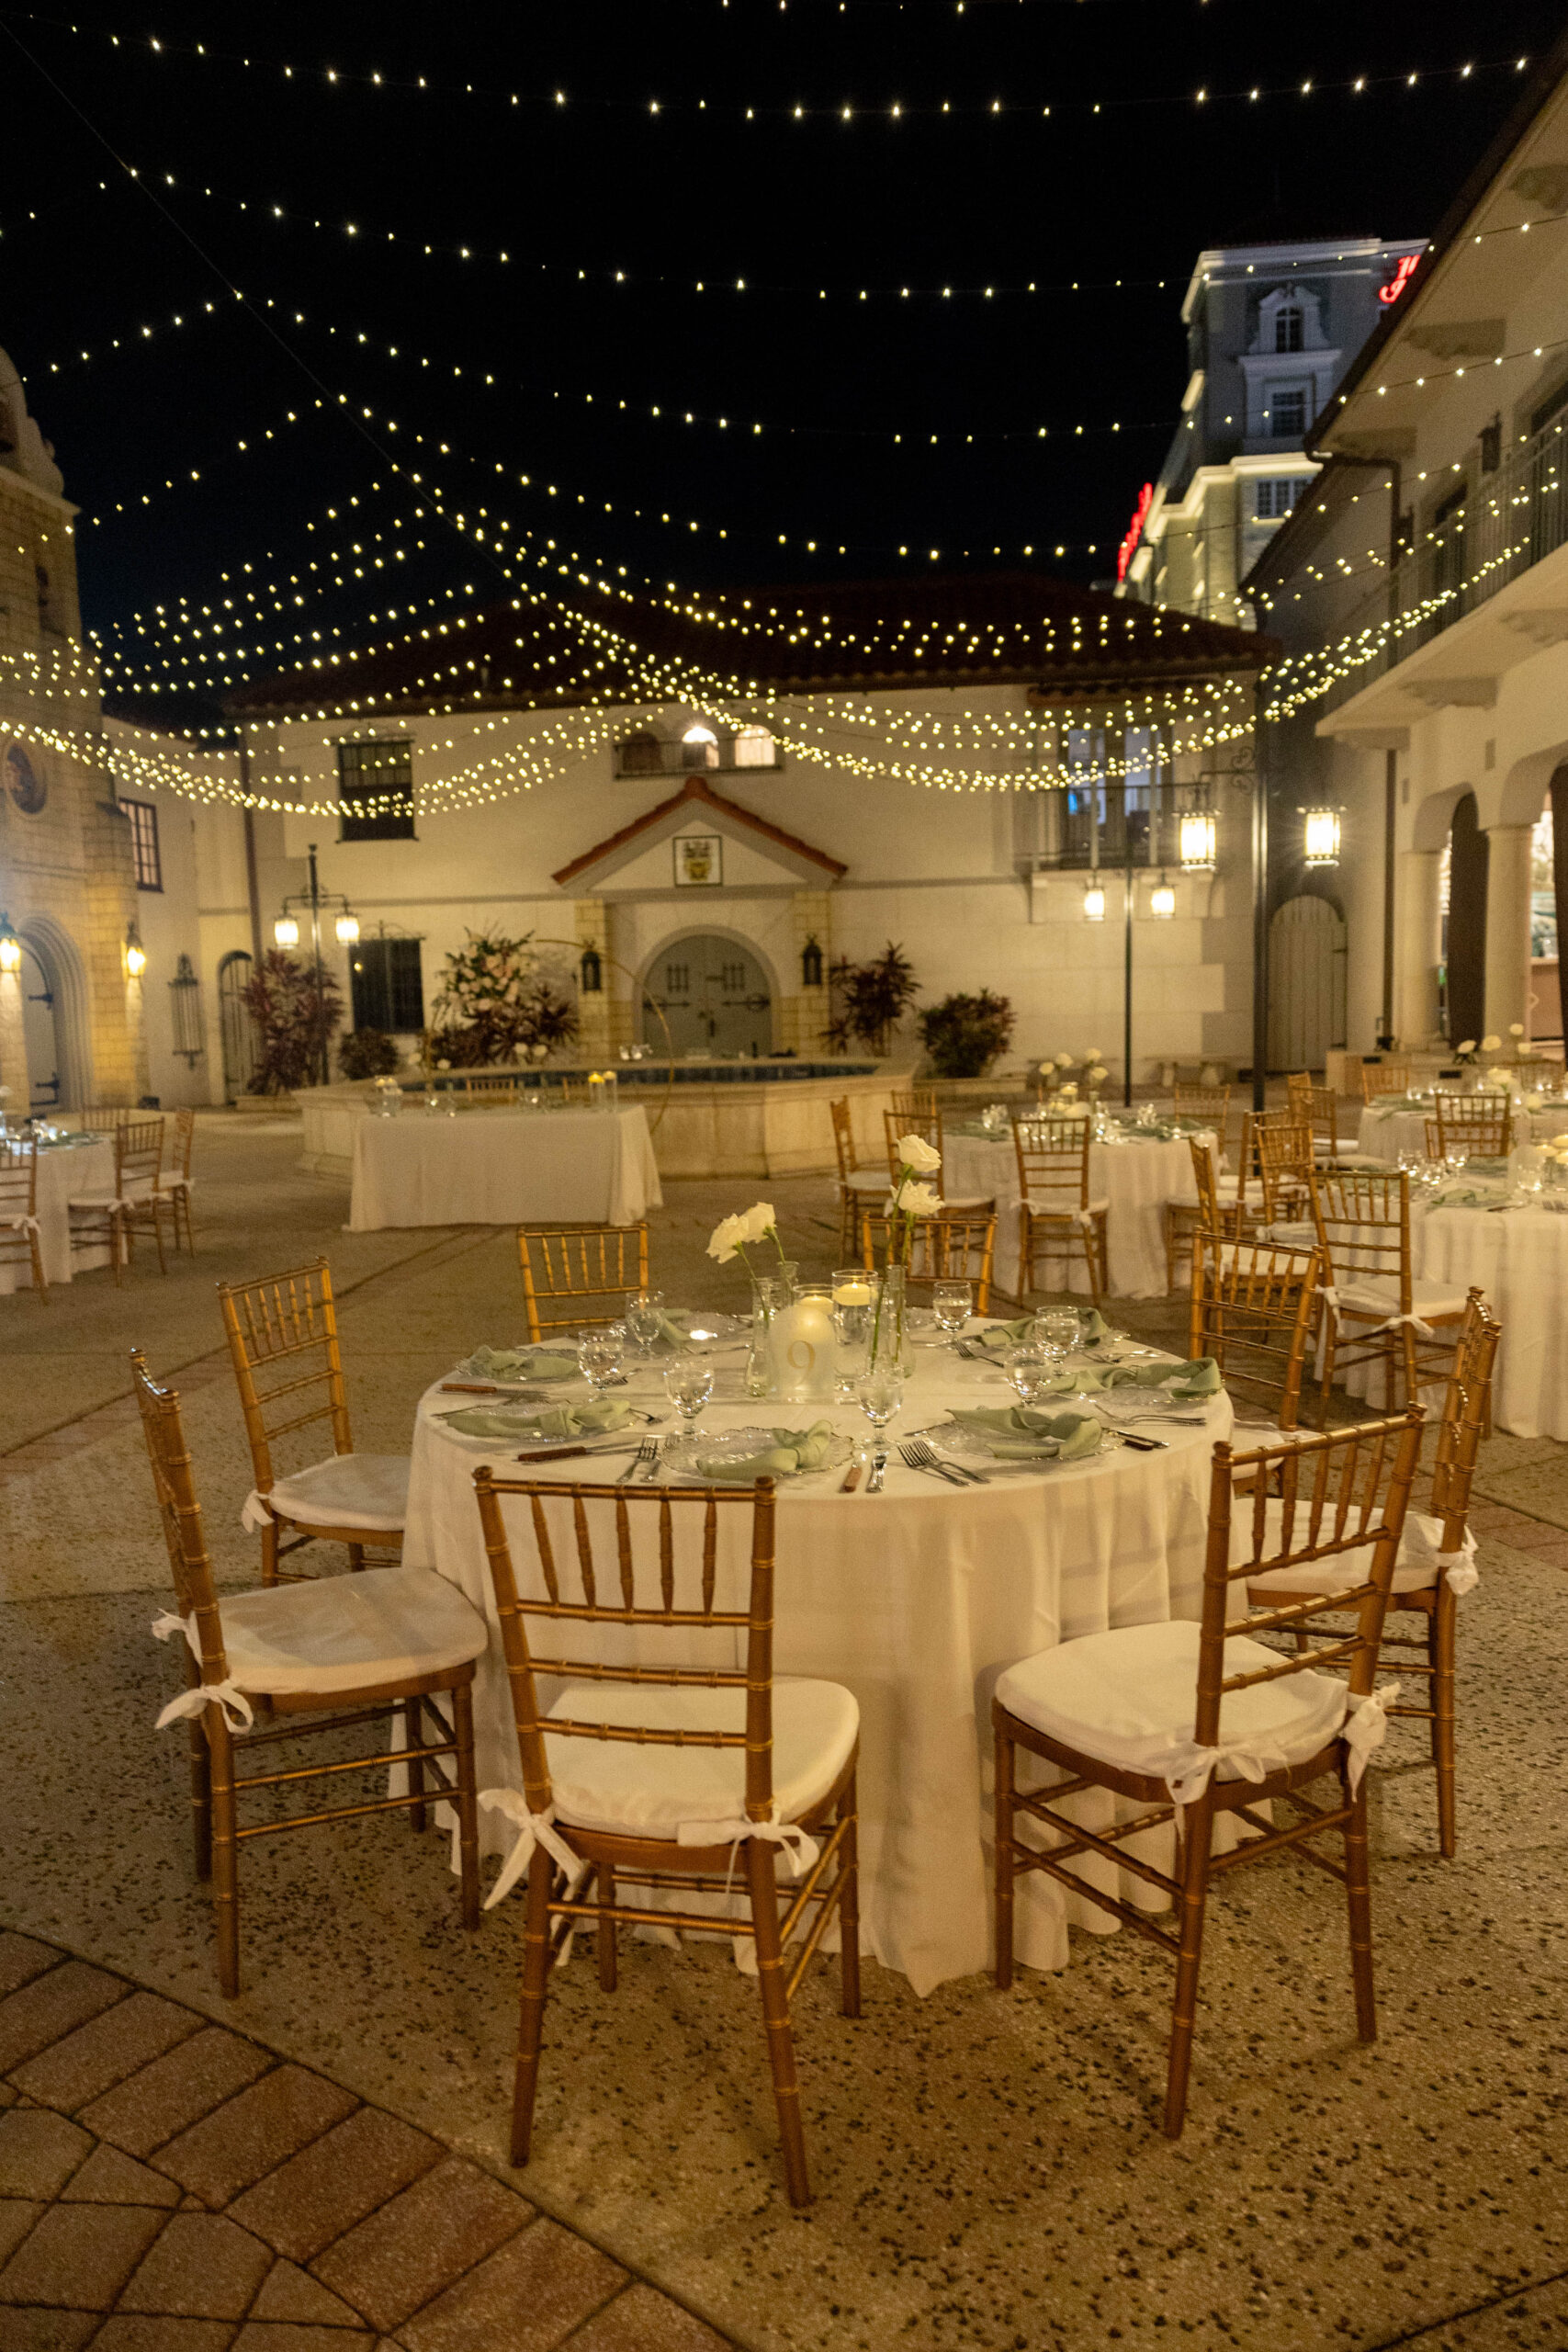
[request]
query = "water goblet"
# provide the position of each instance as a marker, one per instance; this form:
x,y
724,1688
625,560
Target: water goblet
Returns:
x,y
643,1310
601,1358
1056,1332
950,1302
688,1383
880,1394
1032,1372
1456,1160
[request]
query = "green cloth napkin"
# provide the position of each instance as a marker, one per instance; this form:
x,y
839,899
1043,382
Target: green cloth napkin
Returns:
x,y
1007,1335
670,1334
791,1449
1023,1433
1465,1196
563,1422
517,1363
1200,1377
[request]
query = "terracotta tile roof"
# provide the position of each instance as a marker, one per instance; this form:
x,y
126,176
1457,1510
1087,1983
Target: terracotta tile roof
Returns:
x,y
996,628
695,789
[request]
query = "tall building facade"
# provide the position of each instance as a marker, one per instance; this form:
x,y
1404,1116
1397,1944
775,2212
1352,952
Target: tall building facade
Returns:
x,y
1270,331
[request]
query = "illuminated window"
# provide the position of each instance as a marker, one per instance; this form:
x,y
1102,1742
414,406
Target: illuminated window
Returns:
x,y
755,748
145,861
375,790
699,748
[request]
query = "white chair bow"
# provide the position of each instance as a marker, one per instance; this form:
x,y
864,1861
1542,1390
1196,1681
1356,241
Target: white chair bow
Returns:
x,y
533,1829
1189,1768
1330,1297
255,1515
238,1712
1459,1568
800,1847
22,1224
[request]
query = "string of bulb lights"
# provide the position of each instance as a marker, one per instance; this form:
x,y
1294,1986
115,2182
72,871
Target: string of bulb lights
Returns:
x,y
553,98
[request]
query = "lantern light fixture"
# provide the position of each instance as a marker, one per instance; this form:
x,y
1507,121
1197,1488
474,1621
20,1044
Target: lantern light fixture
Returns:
x,y
347,927
286,932
135,954
1320,836
1162,901
10,947
1094,902
811,962
1198,839
592,972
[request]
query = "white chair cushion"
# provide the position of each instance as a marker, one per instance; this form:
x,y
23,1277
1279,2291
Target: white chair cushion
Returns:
x,y
865,1180
1091,1208
347,1490
1414,1568
1426,1299
349,1632
1129,1697
644,1791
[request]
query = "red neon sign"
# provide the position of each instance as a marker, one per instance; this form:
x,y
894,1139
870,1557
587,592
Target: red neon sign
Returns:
x,y
1134,529
1400,280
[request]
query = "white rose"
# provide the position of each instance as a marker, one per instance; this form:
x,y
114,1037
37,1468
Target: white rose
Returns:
x,y
1515,1028
726,1238
757,1222
1099,1074
918,1200
1468,1047
1064,1061
915,1152
1490,1045
1534,1102
1092,1054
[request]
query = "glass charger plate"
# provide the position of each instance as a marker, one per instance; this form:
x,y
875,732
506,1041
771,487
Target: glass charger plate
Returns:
x,y
518,1360
975,1445
682,1456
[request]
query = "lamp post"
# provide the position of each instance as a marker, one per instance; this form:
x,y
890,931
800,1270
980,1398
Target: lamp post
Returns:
x,y
286,932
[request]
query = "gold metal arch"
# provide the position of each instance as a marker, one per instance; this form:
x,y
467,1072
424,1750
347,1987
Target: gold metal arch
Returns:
x,y
579,948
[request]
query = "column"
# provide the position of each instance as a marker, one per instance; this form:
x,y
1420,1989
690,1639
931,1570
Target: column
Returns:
x,y
803,1011
1418,941
1507,927
591,926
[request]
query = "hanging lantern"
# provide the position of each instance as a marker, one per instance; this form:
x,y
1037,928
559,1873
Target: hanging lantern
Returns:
x,y
184,1004
592,972
135,954
811,964
1094,903
348,927
1162,901
1198,839
286,932
1320,836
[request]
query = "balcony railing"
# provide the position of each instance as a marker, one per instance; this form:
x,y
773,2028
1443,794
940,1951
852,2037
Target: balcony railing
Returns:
x,y
1515,515
749,748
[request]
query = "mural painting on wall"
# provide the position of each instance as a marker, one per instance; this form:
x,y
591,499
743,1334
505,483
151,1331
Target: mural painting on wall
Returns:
x,y
26,787
699,859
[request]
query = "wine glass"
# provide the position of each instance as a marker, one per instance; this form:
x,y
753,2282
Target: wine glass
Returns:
x,y
643,1310
951,1303
880,1394
601,1358
688,1383
1056,1332
1032,1372
1456,1160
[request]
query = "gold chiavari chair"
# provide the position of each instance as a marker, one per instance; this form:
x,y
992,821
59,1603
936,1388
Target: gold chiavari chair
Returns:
x,y
377,1644
1386,1077
857,1185
1318,1108
1056,1213
1375,1309
1219,1206
113,1220
491,1092
20,1242
713,1750
568,1091
1436,1562
579,1274
97,1118
942,1248
1252,1310
282,1334
1164,1714
918,1104
896,1124
1480,1125
1284,1147
175,1181
1188,1100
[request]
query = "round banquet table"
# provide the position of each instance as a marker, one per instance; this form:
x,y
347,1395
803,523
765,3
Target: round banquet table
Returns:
x,y
64,1169
1518,1258
916,1599
503,1168
1137,1176
1384,1134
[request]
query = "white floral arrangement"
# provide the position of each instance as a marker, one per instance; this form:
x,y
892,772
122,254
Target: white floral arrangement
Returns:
x,y
733,1236
1556,1151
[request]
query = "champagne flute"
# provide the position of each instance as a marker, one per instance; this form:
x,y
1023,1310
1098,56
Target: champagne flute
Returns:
x,y
688,1383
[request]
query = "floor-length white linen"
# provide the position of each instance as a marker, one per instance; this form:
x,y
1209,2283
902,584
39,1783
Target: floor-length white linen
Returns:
x,y
1384,1134
64,1171
1519,1259
1138,1178
917,1600
503,1168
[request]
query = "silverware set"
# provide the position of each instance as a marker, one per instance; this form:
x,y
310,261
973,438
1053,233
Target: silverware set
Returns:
x,y
920,1454
645,1459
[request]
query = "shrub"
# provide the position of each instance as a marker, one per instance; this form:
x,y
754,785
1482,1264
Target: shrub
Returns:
x,y
867,998
368,1053
292,1019
963,1035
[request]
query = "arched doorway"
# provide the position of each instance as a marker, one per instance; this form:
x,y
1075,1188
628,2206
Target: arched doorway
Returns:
x,y
41,1036
1306,983
1464,926
238,1031
54,1007
715,995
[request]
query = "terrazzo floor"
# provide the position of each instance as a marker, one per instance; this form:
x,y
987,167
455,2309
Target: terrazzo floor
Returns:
x,y
989,2169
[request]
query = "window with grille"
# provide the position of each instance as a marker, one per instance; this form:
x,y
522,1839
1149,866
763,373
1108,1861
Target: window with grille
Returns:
x,y
1288,327
386,985
375,790
144,858
1288,413
677,978
1277,497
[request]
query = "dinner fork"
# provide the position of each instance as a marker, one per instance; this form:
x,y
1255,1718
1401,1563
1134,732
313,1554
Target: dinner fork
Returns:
x,y
645,1458
920,1455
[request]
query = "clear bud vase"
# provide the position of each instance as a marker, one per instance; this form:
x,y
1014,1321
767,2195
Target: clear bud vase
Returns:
x,y
770,1294
889,1346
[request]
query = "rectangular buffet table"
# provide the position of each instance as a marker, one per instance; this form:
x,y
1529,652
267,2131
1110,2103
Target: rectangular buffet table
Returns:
x,y
503,1168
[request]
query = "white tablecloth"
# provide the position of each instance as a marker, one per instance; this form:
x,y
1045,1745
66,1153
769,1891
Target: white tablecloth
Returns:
x,y
503,1168
64,1171
1384,1134
1137,1178
917,1600
1519,1259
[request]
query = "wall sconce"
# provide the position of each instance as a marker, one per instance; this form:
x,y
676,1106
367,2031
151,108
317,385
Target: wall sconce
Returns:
x,y
1199,837
185,1002
811,964
1094,903
347,928
135,954
1320,836
591,970
286,932
10,947
1162,901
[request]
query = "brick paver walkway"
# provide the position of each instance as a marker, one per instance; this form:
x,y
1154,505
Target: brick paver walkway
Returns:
x,y
167,2186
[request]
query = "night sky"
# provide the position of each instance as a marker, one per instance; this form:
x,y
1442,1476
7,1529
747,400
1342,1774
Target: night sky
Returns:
x,y
575,193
